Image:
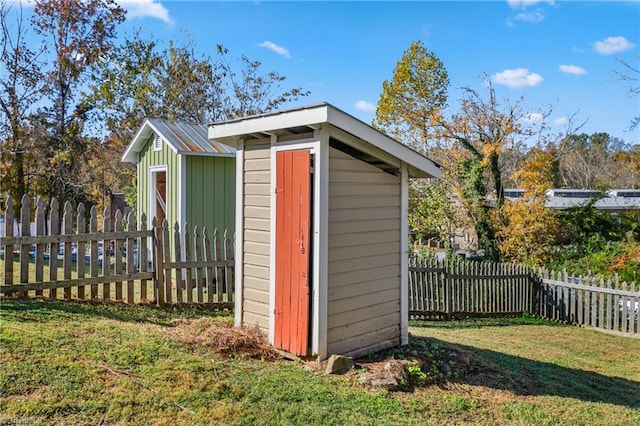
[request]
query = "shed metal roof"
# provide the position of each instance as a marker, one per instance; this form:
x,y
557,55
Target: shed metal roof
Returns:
x,y
182,137
562,198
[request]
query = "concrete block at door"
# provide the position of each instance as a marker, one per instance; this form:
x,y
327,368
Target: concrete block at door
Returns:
x,y
338,364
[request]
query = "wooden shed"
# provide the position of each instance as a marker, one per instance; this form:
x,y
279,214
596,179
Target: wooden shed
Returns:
x,y
322,229
182,176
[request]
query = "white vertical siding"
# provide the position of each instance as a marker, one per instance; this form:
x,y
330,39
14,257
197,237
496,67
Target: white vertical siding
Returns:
x,y
364,257
256,210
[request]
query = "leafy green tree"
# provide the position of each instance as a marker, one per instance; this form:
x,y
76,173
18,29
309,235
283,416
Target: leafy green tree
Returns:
x,y
414,97
530,227
430,210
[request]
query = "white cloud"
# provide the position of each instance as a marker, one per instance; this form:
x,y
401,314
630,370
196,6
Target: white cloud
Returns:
x,y
612,45
522,4
534,117
517,78
534,17
365,106
146,9
561,121
275,48
572,69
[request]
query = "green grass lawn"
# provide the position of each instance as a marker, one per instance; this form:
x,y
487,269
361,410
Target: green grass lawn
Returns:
x,y
90,363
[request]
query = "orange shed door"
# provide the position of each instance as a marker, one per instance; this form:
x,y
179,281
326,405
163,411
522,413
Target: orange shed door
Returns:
x,y
293,224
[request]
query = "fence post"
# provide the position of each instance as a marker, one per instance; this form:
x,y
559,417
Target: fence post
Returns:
x,y
130,269
448,290
158,261
81,228
534,290
40,229
106,250
142,257
93,266
8,249
67,229
54,229
25,231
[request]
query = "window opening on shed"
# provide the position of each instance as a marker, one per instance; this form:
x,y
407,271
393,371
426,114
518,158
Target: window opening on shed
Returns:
x,y
369,159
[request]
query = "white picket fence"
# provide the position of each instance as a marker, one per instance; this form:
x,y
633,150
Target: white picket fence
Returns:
x,y
607,305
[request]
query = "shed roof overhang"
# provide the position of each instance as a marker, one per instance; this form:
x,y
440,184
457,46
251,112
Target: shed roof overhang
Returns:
x,y
180,136
306,119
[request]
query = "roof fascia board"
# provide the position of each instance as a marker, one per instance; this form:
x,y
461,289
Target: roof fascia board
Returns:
x,y
419,165
129,155
256,124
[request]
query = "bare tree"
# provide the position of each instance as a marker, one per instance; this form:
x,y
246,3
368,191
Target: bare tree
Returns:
x,y
21,87
630,75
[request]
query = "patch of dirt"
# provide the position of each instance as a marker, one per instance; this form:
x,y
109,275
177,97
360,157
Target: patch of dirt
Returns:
x,y
430,362
223,337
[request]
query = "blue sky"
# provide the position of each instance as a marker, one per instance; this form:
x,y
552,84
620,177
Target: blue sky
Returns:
x,y
555,54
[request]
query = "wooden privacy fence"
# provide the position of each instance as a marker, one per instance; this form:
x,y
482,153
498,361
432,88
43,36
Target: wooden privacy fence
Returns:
x,y
445,289
607,305
119,263
80,260
192,270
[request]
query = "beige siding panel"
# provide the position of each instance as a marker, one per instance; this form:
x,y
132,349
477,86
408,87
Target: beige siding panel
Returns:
x,y
257,150
369,213
357,239
363,276
256,189
257,201
347,190
256,259
251,318
365,343
258,236
261,176
258,164
256,248
353,329
257,212
363,314
256,272
342,227
363,300
365,250
359,202
257,284
256,224
347,265
351,177
256,295
363,288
